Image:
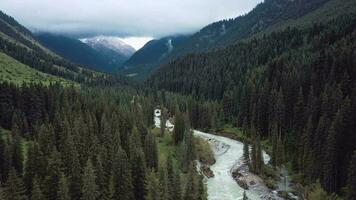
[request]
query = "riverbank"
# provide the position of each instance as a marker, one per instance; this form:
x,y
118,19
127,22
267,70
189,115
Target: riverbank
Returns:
x,y
276,180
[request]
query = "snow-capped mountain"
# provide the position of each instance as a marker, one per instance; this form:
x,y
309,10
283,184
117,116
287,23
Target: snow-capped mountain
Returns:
x,y
105,43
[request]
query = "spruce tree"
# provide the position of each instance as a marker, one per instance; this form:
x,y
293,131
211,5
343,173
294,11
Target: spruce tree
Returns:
x,y
153,187
63,189
122,177
246,154
179,127
139,174
330,170
351,182
14,187
5,160
163,179
17,154
89,187
151,151
2,193
36,192
54,170
163,120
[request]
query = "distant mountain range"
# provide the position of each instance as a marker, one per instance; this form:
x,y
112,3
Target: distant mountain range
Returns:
x,y
266,16
104,54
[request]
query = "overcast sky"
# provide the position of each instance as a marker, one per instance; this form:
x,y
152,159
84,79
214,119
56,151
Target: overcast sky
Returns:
x,y
123,18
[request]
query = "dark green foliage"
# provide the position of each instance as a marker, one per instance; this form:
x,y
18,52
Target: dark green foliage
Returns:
x,y
5,160
153,186
63,189
194,189
351,183
54,171
139,173
122,177
151,152
179,127
290,86
89,187
36,192
14,187
246,152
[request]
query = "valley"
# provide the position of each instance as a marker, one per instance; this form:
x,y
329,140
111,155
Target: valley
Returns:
x,y
255,107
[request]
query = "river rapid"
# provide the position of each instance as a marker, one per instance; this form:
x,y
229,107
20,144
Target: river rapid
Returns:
x,y
228,155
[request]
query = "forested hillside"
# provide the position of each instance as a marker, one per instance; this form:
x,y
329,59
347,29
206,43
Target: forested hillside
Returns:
x,y
146,60
18,43
295,87
93,143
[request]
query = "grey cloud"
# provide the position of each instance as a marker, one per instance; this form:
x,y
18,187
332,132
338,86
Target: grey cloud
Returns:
x,y
123,18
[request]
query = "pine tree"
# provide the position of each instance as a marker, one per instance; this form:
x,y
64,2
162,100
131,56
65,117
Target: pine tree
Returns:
x,y
246,152
179,127
36,192
122,177
151,151
152,186
351,183
163,179
163,120
53,175
89,187
14,187
2,193
194,189
259,157
174,183
329,170
5,160
17,154
35,165
63,189
139,174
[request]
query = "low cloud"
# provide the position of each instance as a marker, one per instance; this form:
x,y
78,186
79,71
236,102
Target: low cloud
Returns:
x,y
123,18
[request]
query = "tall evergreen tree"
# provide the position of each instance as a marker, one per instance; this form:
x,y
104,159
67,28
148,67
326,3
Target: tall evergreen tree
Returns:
x,y
14,187
89,187
122,177
163,120
152,186
63,188
139,174
54,170
151,151
351,183
36,192
179,127
246,152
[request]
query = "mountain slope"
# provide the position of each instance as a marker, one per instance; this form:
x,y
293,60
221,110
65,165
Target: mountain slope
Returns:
x,y
18,43
13,71
264,15
143,62
81,53
226,32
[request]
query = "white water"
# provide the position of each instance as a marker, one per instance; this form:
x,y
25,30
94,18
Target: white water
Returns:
x,y
228,154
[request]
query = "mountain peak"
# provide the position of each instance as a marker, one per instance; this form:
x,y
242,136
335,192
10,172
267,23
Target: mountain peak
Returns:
x,y
109,42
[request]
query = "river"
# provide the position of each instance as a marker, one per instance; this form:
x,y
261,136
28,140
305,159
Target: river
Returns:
x,y
228,155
